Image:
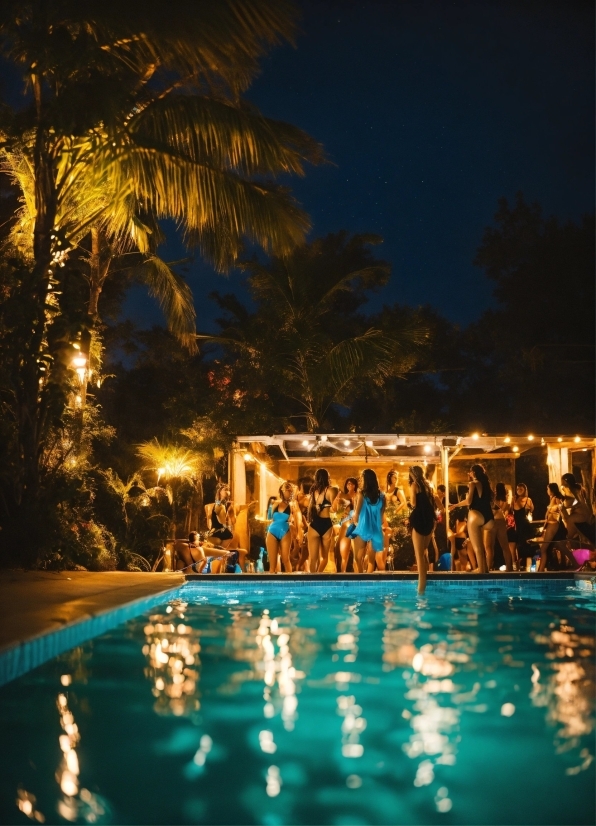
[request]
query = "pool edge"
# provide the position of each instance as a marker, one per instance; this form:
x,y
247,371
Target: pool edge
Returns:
x,y
23,656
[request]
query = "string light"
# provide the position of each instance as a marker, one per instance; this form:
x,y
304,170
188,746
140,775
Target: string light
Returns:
x,y
347,443
516,449
475,436
577,439
507,439
531,437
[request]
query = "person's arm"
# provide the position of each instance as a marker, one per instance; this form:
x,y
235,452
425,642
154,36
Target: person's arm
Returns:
x,y
383,506
471,488
334,496
402,502
413,492
359,501
337,503
530,505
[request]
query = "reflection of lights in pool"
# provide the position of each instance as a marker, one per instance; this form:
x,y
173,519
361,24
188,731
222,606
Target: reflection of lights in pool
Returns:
x,y
171,651
274,782
507,709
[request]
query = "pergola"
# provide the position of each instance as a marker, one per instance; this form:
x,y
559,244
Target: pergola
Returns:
x,y
288,455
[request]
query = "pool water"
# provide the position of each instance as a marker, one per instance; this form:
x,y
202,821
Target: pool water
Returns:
x,y
313,707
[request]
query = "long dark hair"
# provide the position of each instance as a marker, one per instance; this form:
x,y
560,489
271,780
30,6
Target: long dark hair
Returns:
x,y
320,484
353,481
481,476
569,480
370,485
500,492
389,475
553,489
417,476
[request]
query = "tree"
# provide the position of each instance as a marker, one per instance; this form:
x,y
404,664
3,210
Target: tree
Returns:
x,y
306,341
175,467
136,115
530,359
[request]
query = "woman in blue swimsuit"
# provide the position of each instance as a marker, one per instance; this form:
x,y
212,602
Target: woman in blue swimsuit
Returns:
x,y
346,501
368,519
283,513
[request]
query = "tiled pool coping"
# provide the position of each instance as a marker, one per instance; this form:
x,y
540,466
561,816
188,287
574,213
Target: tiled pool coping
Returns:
x,y
24,656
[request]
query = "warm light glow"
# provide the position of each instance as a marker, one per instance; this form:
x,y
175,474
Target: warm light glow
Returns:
x,y
516,449
79,361
507,439
530,438
577,439
305,443
560,439
347,443
324,438
392,447
475,436
248,457
368,443
427,448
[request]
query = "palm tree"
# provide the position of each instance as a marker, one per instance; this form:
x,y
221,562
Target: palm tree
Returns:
x,y
304,337
136,115
174,467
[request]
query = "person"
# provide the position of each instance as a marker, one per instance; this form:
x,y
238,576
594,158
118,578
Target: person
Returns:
x,y
189,553
299,551
523,507
368,521
396,509
284,513
320,526
347,502
422,520
461,552
554,527
222,517
499,530
575,511
480,515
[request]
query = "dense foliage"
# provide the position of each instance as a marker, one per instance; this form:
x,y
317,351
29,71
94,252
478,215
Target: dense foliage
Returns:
x,y
110,436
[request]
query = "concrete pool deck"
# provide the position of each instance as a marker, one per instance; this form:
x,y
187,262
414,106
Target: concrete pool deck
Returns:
x,y
36,603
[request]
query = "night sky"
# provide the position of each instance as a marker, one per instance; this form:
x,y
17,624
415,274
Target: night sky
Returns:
x,y
430,111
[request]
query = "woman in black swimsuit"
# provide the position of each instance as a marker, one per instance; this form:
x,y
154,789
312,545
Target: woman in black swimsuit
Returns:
x,y
480,516
422,520
222,517
320,528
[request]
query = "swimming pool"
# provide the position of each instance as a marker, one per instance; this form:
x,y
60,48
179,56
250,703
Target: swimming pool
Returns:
x,y
291,703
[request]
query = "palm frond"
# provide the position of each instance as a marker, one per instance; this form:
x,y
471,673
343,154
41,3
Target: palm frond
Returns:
x,y
174,296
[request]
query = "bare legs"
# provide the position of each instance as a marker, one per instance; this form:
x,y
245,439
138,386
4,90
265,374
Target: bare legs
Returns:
x,y
345,546
498,532
318,549
476,529
277,547
421,543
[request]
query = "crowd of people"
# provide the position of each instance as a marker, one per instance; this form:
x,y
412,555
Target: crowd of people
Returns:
x,y
354,525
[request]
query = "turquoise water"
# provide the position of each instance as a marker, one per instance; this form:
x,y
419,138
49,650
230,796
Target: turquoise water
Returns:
x,y
361,707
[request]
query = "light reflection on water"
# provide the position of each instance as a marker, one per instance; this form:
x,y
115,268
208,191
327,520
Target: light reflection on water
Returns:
x,y
336,711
